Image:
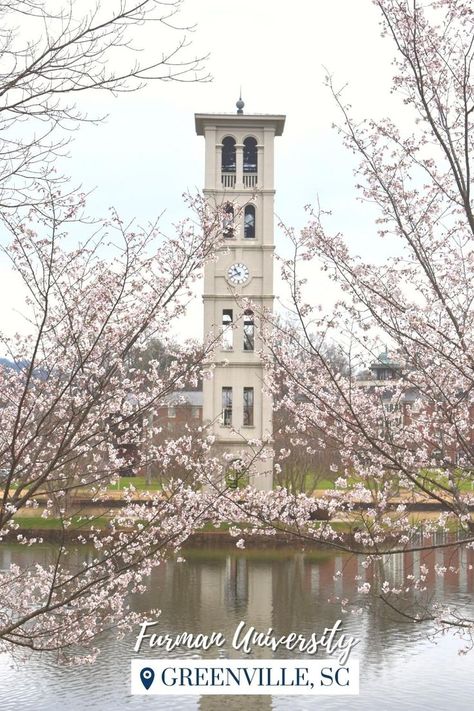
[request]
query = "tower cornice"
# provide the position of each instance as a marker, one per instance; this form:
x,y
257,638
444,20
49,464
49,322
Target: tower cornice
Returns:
x,y
275,121
236,192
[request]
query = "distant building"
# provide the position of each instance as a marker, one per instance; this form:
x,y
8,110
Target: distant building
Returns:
x,y
386,367
179,409
382,377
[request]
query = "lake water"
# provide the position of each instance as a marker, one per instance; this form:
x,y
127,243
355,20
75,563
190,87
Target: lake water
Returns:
x,y
286,589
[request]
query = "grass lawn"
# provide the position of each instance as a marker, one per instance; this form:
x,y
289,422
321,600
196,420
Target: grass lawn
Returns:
x,y
42,524
139,482
312,482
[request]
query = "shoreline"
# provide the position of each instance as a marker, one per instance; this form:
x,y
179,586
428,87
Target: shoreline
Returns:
x,y
200,539
217,539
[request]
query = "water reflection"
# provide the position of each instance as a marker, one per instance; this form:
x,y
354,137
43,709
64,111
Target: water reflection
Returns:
x,y
285,589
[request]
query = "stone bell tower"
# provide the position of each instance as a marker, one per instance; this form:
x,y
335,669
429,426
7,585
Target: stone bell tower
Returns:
x,y
239,178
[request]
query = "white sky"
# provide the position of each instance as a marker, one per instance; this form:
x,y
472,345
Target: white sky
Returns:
x,y
146,154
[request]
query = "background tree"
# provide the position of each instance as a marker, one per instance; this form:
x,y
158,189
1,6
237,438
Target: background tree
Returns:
x,y
165,353
303,464
52,54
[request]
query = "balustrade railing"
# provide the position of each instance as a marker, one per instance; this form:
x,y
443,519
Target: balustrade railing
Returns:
x,y
250,180
228,180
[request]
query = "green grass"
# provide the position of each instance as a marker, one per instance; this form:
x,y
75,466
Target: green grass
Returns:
x,y
464,484
42,524
341,526
320,483
210,527
139,482
313,482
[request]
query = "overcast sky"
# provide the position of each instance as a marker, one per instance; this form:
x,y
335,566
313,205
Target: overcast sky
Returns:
x,y
146,154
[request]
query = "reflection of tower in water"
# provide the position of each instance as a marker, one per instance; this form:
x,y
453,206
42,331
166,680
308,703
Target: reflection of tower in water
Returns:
x,y
294,591
245,593
235,703
237,585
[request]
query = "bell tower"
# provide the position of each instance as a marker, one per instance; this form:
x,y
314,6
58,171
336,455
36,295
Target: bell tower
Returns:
x,y
239,180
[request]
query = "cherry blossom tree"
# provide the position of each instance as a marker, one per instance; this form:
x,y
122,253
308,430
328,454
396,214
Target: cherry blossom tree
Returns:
x,y
74,399
404,439
71,402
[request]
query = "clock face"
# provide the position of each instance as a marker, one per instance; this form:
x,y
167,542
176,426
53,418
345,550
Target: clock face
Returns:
x,y
238,273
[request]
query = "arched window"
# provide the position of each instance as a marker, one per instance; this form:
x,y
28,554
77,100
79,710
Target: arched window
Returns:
x,y
250,155
228,155
228,221
249,222
249,331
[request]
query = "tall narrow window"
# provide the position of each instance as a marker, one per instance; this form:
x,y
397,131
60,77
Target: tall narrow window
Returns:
x,y
250,155
228,155
227,406
249,222
249,331
228,221
227,332
248,407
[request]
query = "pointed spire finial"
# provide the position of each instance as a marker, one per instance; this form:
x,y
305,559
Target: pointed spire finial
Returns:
x,y
240,104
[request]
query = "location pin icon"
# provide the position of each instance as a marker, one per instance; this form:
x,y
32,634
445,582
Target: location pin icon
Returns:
x,y
147,675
